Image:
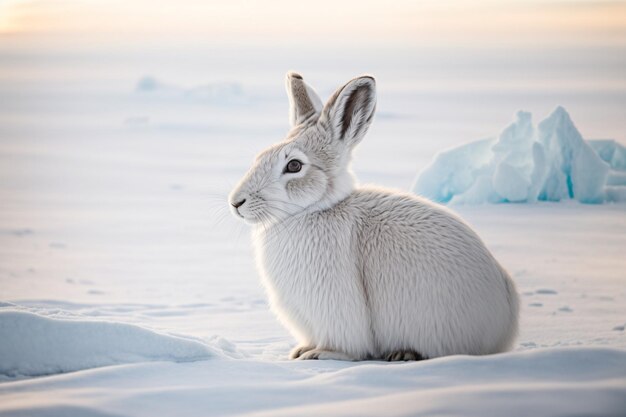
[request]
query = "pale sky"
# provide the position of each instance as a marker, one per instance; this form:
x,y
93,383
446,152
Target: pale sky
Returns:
x,y
422,23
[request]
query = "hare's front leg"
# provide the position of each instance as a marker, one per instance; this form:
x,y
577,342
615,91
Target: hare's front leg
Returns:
x,y
325,354
299,350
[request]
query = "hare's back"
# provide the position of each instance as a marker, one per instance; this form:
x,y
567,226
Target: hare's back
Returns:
x,y
427,273
410,220
418,234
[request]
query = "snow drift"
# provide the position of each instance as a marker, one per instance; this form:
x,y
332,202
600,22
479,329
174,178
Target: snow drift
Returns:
x,y
31,345
551,162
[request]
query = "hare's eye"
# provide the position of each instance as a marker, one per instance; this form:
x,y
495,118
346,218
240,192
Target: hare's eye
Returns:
x,y
293,166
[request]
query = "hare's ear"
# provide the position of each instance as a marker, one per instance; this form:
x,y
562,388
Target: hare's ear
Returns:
x,y
303,100
350,110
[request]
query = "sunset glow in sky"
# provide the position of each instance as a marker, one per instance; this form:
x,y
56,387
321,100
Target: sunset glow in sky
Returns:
x,y
409,22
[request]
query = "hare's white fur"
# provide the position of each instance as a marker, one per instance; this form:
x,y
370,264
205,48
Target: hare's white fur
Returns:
x,y
362,272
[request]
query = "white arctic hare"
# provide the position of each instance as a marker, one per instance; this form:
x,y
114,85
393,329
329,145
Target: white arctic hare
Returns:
x,y
360,272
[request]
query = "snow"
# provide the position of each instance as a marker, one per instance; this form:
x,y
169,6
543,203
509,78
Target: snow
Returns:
x,y
34,345
139,278
556,382
550,163
127,288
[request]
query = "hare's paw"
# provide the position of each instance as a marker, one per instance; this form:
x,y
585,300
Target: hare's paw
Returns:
x,y
325,354
403,355
299,350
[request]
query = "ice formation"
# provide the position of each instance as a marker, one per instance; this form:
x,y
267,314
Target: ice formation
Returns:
x,y
551,162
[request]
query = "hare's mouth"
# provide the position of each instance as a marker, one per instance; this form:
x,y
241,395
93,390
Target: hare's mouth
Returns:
x,y
248,218
251,220
236,211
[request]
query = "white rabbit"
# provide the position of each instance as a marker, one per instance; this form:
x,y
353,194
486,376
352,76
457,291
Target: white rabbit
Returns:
x,y
362,272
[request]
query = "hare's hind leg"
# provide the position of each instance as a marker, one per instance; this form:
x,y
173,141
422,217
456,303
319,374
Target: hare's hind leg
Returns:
x,y
325,354
403,355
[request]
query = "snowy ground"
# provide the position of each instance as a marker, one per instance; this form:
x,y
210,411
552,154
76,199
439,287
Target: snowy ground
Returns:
x,y
119,261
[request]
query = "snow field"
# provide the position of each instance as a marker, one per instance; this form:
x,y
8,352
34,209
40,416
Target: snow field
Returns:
x,y
121,268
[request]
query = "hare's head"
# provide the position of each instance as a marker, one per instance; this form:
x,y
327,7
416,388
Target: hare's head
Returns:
x,y
309,169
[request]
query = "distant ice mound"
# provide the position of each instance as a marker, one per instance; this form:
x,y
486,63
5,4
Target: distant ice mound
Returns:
x,y
225,93
551,162
32,345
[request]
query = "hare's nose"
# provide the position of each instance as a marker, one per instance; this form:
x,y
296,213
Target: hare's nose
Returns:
x,y
238,203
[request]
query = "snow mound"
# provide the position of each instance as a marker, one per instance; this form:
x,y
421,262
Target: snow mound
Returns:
x,y
32,345
551,162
